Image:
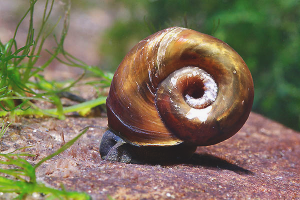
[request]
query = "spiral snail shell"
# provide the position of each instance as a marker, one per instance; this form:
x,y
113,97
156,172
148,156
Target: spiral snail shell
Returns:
x,y
179,86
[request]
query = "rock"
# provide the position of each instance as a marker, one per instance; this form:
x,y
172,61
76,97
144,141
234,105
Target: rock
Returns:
x,y
262,161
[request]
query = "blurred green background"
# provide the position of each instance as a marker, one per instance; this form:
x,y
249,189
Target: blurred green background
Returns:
x,y
265,33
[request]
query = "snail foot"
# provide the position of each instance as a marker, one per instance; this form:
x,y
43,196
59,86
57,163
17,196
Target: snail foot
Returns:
x,y
115,149
112,148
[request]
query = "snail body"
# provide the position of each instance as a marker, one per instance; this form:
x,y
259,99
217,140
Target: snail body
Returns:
x,y
179,87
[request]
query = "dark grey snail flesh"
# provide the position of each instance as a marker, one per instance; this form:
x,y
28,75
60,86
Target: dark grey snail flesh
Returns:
x,y
175,90
114,148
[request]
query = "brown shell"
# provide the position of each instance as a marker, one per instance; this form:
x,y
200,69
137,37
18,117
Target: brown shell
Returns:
x,y
141,105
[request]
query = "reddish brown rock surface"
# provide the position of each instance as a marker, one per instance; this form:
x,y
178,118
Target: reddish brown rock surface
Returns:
x,y
262,161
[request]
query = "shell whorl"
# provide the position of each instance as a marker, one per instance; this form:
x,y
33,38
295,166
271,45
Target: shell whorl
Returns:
x,y
213,90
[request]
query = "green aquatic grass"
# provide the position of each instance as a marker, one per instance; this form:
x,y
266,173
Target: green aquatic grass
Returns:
x,y
21,177
3,129
21,85
21,82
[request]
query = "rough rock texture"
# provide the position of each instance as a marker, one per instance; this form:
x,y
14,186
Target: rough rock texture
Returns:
x,y
262,161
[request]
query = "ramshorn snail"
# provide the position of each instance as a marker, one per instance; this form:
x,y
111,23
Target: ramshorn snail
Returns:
x,y
175,90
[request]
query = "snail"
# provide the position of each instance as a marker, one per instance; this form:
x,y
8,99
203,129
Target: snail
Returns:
x,y
175,90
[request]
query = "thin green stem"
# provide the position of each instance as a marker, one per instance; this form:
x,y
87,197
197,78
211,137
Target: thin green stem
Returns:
x,y
44,21
82,106
62,149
